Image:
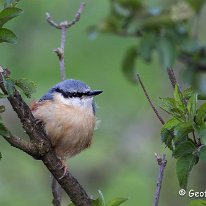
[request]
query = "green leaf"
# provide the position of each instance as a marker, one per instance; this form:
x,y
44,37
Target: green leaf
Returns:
x,y
170,106
7,35
201,114
116,201
167,52
192,106
202,153
183,149
2,108
167,132
178,95
3,129
187,93
129,64
3,95
9,13
183,168
197,203
147,44
183,129
9,86
201,131
99,201
27,86
11,3
197,5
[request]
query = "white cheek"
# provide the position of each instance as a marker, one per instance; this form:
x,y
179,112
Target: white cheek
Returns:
x,y
75,101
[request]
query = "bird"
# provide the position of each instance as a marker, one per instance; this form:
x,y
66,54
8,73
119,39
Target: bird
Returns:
x,y
67,111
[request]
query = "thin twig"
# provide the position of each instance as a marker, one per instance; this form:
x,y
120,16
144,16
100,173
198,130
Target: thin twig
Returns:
x,y
63,26
57,192
149,100
21,144
162,163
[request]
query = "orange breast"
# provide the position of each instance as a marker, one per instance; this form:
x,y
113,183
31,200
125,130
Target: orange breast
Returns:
x,y
69,128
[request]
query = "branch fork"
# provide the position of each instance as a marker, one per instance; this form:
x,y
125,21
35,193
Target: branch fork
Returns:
x,y
39,146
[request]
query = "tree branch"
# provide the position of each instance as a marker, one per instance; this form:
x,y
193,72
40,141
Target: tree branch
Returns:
x,y
63,26
162,164
42,144
21,144
149,100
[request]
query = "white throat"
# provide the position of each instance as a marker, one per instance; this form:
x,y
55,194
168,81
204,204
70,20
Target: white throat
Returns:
x,y
84,103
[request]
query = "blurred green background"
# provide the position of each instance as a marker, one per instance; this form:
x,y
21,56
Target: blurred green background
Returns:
x,y
121,160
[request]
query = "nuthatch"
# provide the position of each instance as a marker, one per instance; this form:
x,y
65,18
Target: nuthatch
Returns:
x,y
68,113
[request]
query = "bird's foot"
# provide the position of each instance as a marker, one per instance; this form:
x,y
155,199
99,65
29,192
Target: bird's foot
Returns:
x,y
63,166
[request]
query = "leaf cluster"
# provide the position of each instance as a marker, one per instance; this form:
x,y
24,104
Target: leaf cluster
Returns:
x,y
100,201
8,12
10,85
185,132
164,29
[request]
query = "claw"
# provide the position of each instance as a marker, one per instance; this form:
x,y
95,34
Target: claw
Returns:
x,y
64,174
65,168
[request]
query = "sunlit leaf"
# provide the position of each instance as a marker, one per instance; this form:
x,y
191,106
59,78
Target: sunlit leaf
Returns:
x,y
8,14
183,168
116,201
183,149
201,131
7,35
172,107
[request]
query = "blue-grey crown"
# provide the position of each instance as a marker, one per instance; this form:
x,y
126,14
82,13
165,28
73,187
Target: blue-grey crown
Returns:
x,y
66,86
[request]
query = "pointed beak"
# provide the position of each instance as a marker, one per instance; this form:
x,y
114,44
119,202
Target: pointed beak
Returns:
x,y
95,92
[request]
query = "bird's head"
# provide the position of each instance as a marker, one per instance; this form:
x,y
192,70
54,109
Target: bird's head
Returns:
x,y
72,92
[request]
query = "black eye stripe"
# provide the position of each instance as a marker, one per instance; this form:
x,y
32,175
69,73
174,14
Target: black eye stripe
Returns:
x,y
71,94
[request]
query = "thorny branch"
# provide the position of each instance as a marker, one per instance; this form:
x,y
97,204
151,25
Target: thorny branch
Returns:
x,y
63,26
40,148
162,164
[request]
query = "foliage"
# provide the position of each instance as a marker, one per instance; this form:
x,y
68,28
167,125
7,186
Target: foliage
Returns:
x,y
185,132
8,12
164,28
101,202
197,203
